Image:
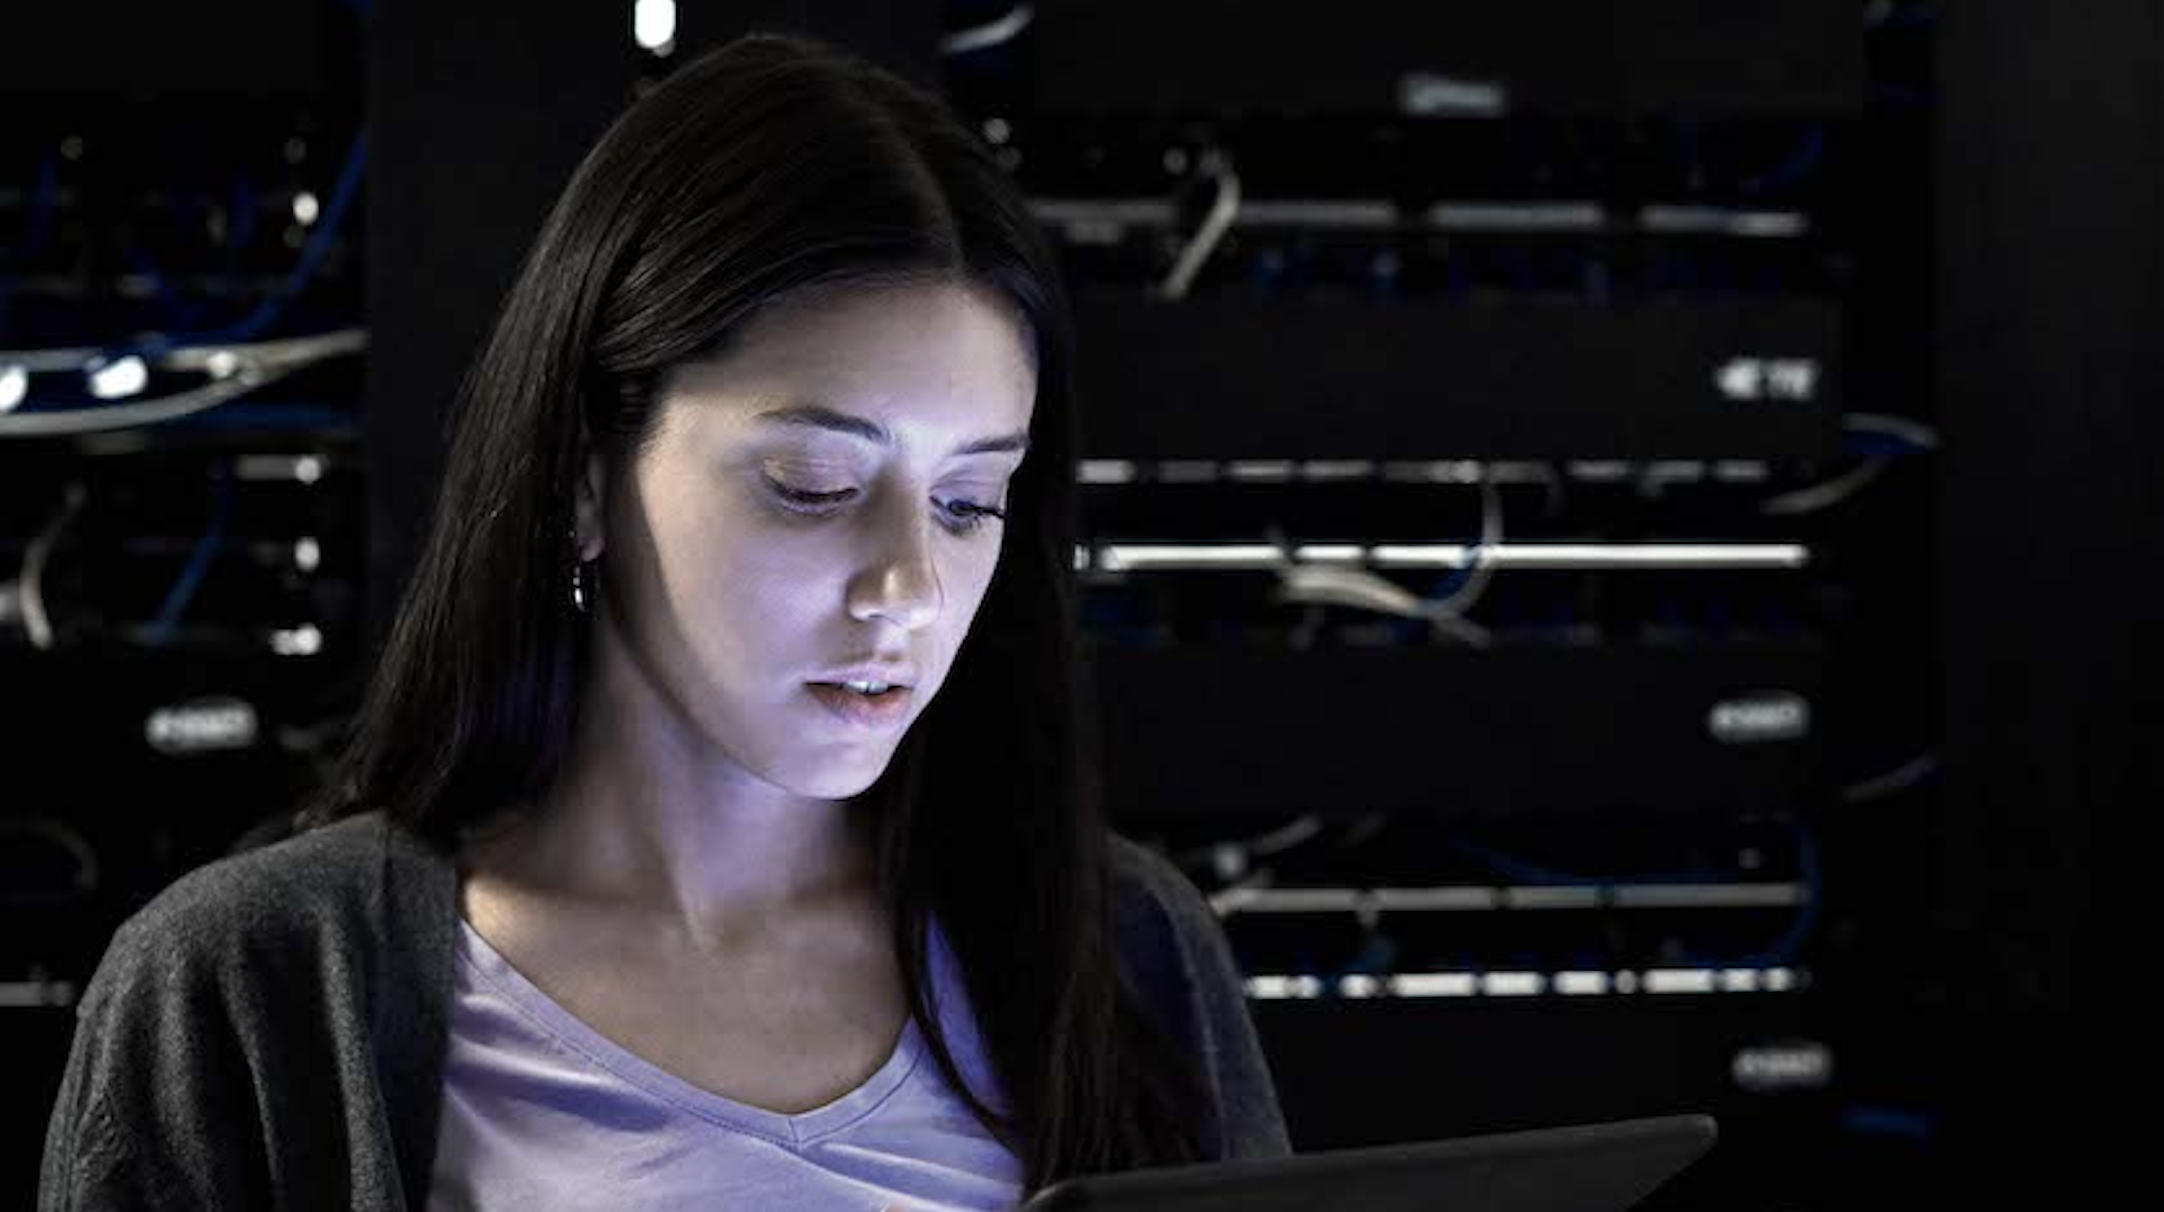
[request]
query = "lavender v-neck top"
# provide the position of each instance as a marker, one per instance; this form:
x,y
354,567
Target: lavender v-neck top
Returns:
x,y
541,1112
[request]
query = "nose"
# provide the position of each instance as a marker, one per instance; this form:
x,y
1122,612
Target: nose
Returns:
x,y
901,584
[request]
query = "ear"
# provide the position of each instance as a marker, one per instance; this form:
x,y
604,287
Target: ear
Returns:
x,y
593,494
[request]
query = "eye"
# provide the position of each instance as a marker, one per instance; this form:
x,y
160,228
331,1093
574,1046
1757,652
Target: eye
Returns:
x,y
971,516
806,497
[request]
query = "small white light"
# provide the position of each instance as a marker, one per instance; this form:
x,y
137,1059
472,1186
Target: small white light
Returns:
x,y
1787,1065
202,726
997,130
1435,984
308,469
14,387
1270,986
307,555
1679,980
1337,469
653,23
304,640
306,208
222,364
118,378
1581,984
1106,471
1358,984
1512,984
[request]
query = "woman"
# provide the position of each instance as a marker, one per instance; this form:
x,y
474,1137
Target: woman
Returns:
x,y
620,892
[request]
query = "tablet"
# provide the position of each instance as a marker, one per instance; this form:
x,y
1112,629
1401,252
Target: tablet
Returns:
x,y
1585,1168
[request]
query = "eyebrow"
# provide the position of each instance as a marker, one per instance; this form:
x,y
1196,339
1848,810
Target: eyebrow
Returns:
x,y
813,416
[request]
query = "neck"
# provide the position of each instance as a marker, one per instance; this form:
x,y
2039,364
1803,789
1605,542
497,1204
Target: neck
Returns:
x,y
649,818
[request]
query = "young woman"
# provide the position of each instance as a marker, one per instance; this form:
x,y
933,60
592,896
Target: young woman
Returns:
x,y
635,887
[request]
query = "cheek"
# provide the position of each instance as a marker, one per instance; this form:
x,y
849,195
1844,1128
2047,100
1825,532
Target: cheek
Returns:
x,y
714,588
740,590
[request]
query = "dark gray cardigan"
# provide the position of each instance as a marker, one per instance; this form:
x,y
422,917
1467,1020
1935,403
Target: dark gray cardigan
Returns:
x,y
270,1031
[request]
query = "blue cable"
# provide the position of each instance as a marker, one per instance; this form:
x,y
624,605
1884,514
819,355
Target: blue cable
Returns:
x,y
39,230
177,309
268,414
41,207
1449,582
1534,874
242,233
1871,445
1785,952
270,309
1799,163
1780,954
1889,1121
183,591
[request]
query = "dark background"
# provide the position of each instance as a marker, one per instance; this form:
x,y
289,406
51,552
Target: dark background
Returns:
x,y
1982,181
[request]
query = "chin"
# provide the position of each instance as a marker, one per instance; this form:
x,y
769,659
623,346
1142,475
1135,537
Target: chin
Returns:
x,y
845,780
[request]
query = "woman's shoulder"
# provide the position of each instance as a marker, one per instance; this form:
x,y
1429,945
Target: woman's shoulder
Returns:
x,y
1164,928
1145,882
242,917
1174,946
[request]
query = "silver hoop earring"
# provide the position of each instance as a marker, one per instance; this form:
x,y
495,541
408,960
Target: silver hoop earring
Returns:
x,y
584,574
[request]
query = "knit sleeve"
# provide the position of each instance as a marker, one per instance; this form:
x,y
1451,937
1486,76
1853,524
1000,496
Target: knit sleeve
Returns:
x,y
79,1137
1202,977
157,1107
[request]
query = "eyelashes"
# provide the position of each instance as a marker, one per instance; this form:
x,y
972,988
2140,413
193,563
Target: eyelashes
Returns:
x,y
970,516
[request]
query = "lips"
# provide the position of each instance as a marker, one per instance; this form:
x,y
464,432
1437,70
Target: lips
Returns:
x,y
863,710
888,672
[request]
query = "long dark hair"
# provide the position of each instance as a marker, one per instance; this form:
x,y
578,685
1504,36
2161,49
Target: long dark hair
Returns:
x,y
769,166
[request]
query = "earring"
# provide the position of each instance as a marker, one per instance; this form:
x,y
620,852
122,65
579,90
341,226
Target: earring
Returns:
x,y
583,575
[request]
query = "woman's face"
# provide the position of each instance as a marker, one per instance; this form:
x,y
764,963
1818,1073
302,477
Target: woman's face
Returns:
x,y
730,594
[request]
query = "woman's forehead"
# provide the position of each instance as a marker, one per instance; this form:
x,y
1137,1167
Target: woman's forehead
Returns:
x,y
905,363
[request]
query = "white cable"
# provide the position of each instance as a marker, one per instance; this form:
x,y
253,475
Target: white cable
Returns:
x,y
1826,495
240,369
219,360
36,360
144,412
1276,841
1900,778
87,877
196,357
991,33
35,619
313,348
1222,212
1317,584
1448,614
1468,594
